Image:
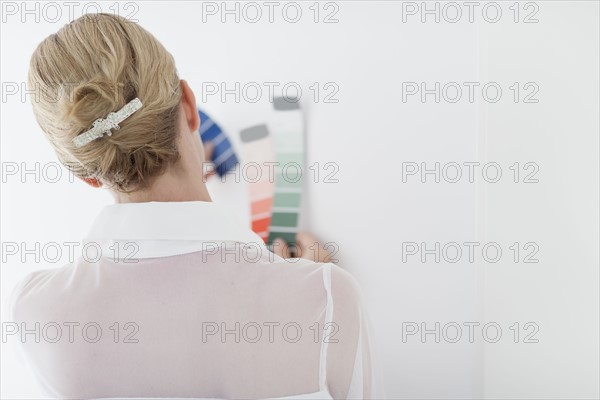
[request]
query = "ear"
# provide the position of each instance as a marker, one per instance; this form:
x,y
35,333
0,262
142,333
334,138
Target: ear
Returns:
x,y
93,182
188,101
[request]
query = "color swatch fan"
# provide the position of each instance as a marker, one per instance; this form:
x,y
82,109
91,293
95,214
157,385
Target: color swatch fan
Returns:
x,y
277,150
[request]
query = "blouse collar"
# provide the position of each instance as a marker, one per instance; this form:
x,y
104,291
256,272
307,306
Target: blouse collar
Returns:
x,y
175,227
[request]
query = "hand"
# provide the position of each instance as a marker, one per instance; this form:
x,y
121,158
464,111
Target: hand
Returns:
x,y
307,246
208,170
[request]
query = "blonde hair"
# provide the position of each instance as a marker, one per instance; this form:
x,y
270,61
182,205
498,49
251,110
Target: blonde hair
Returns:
x,y
91,67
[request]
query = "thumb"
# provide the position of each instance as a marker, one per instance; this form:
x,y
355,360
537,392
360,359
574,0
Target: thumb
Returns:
x,y
310,248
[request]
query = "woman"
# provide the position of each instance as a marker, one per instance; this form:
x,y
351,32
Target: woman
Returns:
x,y
183,301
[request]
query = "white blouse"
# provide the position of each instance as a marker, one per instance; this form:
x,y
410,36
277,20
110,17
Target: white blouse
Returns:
x,y
179,300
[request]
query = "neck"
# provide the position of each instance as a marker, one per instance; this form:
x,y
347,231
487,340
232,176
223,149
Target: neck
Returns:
x,y
169,187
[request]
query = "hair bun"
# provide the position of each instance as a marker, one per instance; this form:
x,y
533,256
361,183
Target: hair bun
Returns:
x,y
92,100
92,67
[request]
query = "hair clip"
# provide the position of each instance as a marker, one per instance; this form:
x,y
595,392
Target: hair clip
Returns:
x,y
105,125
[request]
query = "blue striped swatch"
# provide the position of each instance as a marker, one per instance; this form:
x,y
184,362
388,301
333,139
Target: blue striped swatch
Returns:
x,y
223,156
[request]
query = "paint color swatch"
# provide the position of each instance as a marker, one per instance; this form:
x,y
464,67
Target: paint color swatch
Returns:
x,y
288,140
259,155
223,156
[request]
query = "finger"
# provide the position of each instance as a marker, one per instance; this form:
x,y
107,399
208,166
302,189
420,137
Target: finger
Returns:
x,y
209,149
210,172
281,248
310,248
303,243
208,168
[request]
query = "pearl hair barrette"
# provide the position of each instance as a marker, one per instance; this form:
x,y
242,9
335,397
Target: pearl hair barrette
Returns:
x,y
105,125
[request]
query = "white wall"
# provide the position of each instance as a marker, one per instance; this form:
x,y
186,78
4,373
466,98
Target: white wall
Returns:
x,y
369,133
560,213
